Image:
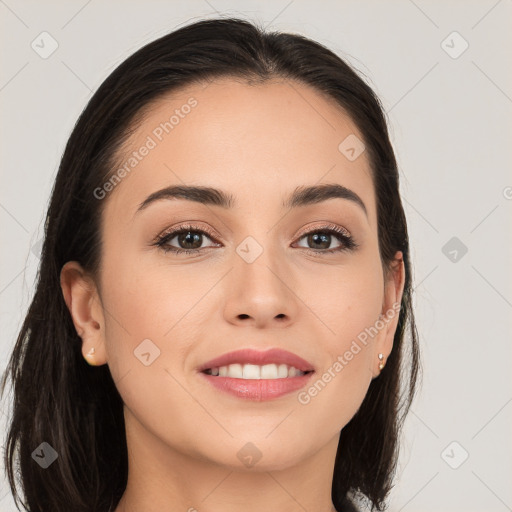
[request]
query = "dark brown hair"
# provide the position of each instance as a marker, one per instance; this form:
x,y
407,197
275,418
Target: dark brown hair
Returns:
x,y
58,398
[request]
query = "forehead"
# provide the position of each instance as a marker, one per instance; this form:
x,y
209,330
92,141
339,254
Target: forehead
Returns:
x,y
253,140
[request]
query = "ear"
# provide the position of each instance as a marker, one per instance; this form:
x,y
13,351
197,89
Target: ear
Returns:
x,y
393,290
83,302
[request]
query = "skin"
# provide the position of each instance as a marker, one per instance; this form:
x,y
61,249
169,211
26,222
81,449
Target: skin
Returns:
x,y
258,143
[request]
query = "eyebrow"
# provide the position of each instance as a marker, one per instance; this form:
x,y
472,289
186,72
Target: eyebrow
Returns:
x,y
301,196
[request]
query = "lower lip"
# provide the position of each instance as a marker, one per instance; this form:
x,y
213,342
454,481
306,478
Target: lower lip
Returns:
x,y
258,389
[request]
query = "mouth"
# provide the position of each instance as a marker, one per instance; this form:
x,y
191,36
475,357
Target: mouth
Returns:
x,y
257,375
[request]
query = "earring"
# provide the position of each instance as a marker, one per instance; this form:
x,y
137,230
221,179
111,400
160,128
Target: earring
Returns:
x,y
381,364
90,353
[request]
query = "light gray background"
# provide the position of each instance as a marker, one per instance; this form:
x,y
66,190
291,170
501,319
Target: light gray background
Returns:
x,y
450,122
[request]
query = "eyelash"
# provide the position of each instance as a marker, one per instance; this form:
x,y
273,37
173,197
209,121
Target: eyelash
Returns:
x,y
347,241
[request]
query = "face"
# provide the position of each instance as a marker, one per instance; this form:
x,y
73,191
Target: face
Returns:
x,y
267,270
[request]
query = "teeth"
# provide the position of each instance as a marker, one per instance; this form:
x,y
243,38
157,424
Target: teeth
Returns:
x,y
253,371
282,371
270,371
293,372
250,371
235,371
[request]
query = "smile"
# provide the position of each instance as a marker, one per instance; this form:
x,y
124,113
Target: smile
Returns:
x,y
257,375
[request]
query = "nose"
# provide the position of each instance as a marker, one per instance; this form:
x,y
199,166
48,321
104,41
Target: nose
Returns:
x,y
260,292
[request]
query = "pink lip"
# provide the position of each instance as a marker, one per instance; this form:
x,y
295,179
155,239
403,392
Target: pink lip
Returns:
x,y
258,389
250,356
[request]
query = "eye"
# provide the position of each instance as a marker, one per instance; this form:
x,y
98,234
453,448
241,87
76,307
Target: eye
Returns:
x,y
321,239
189,239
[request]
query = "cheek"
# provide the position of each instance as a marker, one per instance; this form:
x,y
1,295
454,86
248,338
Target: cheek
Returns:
x,y
147,337
348,306
148,298
346,300
153,309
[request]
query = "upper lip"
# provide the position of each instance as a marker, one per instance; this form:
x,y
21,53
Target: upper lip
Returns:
x,y
257,357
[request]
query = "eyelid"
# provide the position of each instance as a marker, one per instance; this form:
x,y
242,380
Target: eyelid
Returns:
x,y
189,225
324,225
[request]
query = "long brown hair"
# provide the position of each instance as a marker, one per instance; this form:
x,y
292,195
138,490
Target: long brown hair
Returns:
x,y
86,429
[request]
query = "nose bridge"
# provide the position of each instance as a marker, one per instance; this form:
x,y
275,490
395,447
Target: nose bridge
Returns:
x,y
258,287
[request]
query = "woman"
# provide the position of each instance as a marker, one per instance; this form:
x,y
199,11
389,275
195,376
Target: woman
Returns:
x,y
225,288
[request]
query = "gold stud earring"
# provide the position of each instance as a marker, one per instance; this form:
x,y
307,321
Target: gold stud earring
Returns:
x,y
381,364
91,352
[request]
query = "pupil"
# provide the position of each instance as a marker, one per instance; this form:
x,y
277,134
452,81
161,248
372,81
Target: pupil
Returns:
x,y
322,238
189,237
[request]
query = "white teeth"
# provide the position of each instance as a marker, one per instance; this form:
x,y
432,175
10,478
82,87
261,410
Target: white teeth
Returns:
x,y
235,371
254,372
269,371
250,371
282,371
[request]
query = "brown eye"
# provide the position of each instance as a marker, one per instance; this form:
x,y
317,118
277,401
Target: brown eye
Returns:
x,y
320,240
189,240
184,239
